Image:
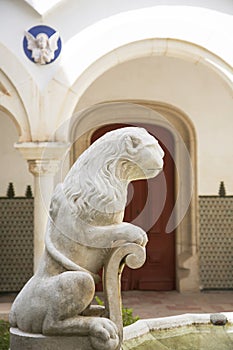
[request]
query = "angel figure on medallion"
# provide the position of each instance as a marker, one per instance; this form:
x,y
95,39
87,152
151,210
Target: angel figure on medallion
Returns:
x,y
42,46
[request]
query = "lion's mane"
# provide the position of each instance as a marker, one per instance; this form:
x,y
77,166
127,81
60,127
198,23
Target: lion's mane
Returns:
x,y
92,182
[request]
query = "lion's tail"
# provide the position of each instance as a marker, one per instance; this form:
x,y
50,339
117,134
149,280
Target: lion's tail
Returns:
x,y
60,258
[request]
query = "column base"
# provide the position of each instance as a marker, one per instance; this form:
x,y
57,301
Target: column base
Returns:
x,y
26,341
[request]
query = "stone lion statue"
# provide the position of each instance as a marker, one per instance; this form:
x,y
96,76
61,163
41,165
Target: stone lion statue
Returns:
x,y
85,222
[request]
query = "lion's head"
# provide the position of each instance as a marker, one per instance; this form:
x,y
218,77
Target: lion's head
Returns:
x,y
96,185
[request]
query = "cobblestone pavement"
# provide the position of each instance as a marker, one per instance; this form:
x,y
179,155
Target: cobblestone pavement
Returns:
x,y
150,304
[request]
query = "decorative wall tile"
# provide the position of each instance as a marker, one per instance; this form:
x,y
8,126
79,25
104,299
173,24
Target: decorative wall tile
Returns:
x,y
16,243
216,242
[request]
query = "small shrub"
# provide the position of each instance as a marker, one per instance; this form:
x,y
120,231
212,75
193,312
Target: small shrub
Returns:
x,y
127,314
28,193
222,190
10,191
99,301
4,335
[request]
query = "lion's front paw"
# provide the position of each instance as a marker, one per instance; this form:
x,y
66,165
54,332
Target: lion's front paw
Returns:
x,y
126,232
141,237
136,234
104,334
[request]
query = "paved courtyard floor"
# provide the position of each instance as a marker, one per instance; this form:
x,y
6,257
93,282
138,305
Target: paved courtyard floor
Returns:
x,y
160,304
149,304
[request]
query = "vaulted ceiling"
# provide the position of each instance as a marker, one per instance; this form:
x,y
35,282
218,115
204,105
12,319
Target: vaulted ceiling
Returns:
x,y
43,6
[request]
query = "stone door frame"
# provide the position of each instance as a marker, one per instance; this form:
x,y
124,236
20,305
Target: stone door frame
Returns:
x,y
178,123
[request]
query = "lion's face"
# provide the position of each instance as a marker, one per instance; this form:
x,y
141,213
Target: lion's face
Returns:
x,y
144,158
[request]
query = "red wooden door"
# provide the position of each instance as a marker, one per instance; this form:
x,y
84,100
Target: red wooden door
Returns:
x,y
150,203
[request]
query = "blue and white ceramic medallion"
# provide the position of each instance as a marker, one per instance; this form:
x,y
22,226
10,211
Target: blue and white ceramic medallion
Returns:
x,y
42,44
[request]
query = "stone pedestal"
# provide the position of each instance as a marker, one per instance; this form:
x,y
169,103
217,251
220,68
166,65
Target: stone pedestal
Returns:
x,y
26,341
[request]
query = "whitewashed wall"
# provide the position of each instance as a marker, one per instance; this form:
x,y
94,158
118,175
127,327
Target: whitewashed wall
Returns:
x,y
13,167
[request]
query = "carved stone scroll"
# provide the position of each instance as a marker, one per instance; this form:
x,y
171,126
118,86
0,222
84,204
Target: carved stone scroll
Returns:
x,y
133,256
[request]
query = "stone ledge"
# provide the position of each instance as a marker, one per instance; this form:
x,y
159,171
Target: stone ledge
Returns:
x,y
26,341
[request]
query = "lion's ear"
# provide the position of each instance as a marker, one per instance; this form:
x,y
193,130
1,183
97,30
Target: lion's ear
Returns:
x,y
132,144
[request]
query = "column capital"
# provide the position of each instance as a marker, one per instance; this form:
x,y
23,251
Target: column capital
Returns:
x,y
43,167
42,150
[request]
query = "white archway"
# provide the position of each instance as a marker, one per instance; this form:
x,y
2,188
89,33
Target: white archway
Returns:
x,y
191,44
184,23
20,95
11,103
133,50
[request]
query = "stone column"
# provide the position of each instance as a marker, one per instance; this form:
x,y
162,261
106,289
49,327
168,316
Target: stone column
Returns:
x,y
43,172
43,159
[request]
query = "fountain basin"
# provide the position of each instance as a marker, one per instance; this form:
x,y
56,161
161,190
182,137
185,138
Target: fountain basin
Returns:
x,y
183,332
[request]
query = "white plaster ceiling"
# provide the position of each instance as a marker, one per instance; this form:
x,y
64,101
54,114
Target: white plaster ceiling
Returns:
x,y
43,6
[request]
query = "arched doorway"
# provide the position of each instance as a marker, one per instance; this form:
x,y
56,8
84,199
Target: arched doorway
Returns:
x,y
184,216
150,204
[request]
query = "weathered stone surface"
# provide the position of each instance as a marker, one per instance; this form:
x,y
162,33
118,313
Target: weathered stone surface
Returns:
x,y
186,332
84,233
218,319
25,341
133,256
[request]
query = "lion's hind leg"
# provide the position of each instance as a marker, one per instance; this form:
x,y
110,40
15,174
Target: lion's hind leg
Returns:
x,y
71,292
